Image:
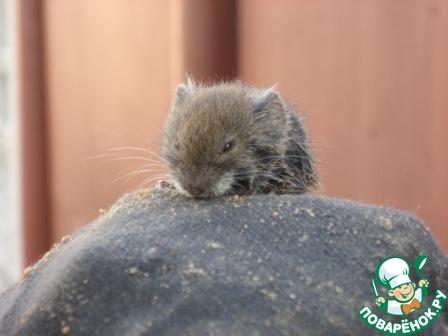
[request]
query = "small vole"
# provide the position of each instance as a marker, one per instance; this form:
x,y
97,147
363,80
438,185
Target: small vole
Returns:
x,y
230,138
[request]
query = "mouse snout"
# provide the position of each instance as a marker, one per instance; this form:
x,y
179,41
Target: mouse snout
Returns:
x,y
198,189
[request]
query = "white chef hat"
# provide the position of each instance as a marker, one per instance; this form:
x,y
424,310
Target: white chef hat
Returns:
x,y
394,272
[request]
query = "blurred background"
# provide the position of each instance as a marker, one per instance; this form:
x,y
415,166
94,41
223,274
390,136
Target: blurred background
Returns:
x,y
85,86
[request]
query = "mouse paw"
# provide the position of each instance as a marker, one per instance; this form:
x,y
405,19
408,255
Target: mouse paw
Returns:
x,y
162,184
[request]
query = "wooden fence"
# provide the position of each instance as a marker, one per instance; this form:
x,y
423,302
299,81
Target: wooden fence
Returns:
x,y
371,77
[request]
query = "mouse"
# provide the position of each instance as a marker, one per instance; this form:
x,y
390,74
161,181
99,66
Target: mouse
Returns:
x,y
230,138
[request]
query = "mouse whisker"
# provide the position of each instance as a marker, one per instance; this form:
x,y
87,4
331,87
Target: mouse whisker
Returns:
x,y
135,158
253,172
133,173
100,129
140,171
115,157
128,148
280,156
154,178
128,169
158,156
99,157
300,139
150,179
139,149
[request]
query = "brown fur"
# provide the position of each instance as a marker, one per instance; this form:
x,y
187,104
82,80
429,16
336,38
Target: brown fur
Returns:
x,y
260,125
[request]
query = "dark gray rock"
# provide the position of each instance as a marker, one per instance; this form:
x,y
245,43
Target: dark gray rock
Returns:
x,y
160,264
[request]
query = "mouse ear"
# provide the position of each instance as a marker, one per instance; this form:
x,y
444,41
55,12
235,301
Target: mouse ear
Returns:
x,y
183,90
269,99
269,108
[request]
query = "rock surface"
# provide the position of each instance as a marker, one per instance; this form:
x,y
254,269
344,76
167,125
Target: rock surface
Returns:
x,y
161,264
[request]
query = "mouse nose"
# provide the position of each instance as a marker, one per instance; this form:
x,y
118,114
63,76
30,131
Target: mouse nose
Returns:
x,y
196,190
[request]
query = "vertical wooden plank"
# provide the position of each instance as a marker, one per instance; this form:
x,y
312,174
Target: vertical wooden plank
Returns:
x,y
109,86
372,78
32,129
204,36
210,39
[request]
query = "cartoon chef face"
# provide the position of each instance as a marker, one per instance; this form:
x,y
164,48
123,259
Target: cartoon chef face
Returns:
x,y
403,293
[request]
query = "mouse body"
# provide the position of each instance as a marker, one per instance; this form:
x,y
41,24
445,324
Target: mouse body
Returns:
x,y
230,138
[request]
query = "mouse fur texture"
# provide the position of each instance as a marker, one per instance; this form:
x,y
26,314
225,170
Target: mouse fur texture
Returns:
x,y
230,138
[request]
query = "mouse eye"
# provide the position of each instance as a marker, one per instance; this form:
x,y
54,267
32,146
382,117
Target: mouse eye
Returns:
x,y
228,146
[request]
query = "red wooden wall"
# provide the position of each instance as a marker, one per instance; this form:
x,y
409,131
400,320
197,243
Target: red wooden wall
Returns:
x,y
371,77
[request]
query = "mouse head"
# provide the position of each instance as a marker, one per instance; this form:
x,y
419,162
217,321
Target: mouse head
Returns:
x,y
213,136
